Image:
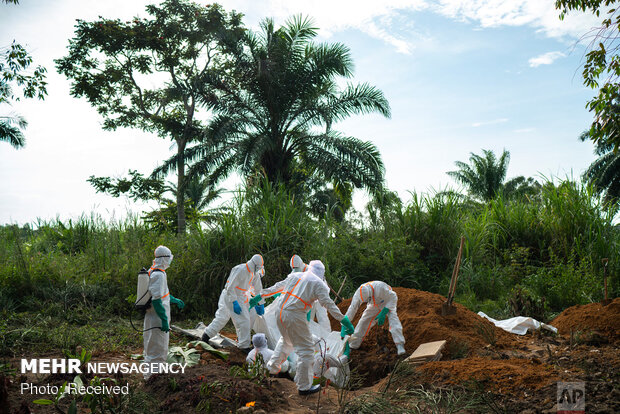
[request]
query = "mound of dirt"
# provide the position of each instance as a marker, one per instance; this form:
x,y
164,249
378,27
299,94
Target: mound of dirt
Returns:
x,y
591,318
212,387
501,375
420,314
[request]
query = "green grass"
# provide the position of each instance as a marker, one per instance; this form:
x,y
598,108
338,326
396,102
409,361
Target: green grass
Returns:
x,y
550,246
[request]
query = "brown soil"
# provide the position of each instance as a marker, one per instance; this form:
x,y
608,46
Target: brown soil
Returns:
x,y
420,314
593,318
502,375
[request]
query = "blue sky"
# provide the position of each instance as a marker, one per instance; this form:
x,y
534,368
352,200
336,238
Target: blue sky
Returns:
x,y
460,75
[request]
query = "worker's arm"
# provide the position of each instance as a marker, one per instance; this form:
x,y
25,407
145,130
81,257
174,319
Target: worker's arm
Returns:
x,y
257,285
276,288
323,297
235,280
355,304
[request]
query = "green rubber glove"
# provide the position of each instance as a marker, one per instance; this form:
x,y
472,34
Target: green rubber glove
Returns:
x,y
381,316
161,312
346,328
276,295
254,301
180,304
347,350
309,315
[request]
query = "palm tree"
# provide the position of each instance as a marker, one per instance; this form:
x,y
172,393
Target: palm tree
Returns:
x,y
485,174
275,109
10,130
604,172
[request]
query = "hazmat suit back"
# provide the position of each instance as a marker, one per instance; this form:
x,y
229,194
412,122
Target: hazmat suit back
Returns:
x,y
299,291
377,295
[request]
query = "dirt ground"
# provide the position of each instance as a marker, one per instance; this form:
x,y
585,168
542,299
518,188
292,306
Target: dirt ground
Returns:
x,y
513,373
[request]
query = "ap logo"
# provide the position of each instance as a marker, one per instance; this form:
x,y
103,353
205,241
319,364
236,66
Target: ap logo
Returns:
x,y
571,397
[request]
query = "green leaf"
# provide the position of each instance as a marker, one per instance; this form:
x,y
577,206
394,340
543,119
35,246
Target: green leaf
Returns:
x,y
43,402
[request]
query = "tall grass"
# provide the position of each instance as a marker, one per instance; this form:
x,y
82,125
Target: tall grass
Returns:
x,y
550,247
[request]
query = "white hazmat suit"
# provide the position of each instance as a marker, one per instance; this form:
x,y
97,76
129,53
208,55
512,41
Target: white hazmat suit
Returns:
x,y
377,295
234,298
299,291
318,311
155,340
260,347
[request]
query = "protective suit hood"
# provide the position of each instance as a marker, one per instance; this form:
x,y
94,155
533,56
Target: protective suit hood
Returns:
x,y
255,263
163,257
366,293
318,269
297,265
259,341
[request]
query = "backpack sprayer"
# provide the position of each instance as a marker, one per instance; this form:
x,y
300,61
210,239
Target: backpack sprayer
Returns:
x,y
144,298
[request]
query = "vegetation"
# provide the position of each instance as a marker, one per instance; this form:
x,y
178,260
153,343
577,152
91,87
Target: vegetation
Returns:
x,y
602,67
550,248
604,172
149,73
14,63
485,177
275,110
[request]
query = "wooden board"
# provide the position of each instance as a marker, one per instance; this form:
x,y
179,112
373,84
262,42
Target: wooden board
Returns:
x,y
430,351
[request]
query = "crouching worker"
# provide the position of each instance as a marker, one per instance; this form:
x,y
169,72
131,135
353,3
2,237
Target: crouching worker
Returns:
x,y
233,303
381,303
157,318
300,290
260,348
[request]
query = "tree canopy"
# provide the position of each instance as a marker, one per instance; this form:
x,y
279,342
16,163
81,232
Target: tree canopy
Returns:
x,y
149,73
15,62
275,111
602,67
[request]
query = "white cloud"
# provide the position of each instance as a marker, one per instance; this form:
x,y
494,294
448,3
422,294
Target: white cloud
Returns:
x,y
545,59
540,14
493,122
371,17
378,19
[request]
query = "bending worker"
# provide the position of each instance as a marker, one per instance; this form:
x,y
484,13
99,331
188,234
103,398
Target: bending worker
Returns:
x,y
157,318
299,291
277,365
318,311
380,302
233,302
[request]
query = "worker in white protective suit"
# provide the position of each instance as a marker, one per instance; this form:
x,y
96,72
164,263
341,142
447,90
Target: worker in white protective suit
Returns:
x,y
276,366
299,290
260,348
157,318
255,287
233,302
381,303
318,312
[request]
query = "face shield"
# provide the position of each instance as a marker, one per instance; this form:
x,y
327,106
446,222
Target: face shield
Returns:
x,y
163,257
255,263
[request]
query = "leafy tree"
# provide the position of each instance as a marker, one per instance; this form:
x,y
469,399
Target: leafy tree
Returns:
x,y
149,73
199,193
14,64
485,174
275,109
602,67
519,187
604,172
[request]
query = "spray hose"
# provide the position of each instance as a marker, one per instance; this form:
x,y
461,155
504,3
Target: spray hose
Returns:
x,y
131,320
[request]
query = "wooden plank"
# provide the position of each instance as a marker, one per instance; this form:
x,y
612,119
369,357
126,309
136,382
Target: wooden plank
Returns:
x,y
427,351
